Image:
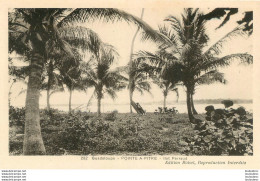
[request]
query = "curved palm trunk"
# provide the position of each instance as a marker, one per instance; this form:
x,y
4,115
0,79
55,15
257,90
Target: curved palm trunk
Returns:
x,y
191,117
70,90
192,105
131,56
33,143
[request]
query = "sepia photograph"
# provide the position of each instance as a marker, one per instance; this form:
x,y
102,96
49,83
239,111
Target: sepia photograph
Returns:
x,y
130,81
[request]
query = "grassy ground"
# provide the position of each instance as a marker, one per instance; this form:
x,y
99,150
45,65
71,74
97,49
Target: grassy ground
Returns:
x,y
112,134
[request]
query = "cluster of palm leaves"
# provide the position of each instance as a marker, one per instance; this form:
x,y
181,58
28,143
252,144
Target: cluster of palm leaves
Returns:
x,y
55,43
185,57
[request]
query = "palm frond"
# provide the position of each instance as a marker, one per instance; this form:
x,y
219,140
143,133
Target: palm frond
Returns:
x,y
215,49
171,41
211,77
157,59
144,86
23,91
57,90
111,92
82,37
82,15
123,69
214,62
176,90
177,27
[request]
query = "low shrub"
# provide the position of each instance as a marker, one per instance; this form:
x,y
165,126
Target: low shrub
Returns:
x,y
224,132
111,116
227,103
16,116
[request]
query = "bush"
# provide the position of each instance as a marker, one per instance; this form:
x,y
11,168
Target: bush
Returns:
x,y
136,144
227,103
111,116
209,109
223,133
16,116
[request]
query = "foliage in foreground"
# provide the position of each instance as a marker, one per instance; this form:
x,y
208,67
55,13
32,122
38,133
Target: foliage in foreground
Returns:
x,y
114,133
224,132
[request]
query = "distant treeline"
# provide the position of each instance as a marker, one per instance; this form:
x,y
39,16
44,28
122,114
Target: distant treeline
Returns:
x,y
218,101
198,101
207,101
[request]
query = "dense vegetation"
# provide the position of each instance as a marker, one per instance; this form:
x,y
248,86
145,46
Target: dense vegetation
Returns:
x,y
221,133
113,133
224,132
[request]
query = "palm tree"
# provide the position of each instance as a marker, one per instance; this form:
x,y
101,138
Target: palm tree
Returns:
x,y
166,76
31,28
186,41
54,83
137,76
166,87
31,32
98,74
132,66
137,72
70,74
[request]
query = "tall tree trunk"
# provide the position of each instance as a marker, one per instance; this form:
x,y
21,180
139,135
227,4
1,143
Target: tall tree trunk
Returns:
x,y
33,143
191,117
89,101
50,77
192,105
131,99
48,100
10,93
130,65
164,100
70,90
99,106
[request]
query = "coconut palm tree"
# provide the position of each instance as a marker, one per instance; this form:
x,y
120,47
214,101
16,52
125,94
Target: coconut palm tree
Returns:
x,y
166,87
186,41
131,68
71,77
137,76
32,31
98,74
165,75
54,81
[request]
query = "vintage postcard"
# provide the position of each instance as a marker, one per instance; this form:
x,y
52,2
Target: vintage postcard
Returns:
x,y
130,85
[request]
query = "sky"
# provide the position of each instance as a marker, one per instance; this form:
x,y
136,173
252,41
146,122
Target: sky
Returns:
x,y
120,34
